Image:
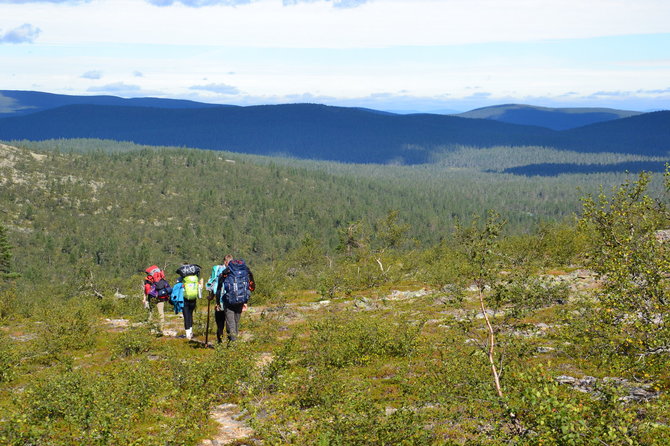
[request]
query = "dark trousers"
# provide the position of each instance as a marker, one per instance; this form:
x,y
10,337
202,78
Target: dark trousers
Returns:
x,y
189,308
231,319
220,318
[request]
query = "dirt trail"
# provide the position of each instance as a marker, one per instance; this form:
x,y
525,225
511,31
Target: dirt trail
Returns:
x,y
232,428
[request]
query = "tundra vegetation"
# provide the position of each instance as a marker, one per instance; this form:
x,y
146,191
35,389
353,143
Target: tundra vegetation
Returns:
x,y
421,305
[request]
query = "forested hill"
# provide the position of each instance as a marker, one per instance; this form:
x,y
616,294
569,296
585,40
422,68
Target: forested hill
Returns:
x,y
299,130
552,118
328,133
119,209
19,102
644,134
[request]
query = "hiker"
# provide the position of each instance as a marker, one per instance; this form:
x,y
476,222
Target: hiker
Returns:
x,y
234,287
156,292
211,286
192,290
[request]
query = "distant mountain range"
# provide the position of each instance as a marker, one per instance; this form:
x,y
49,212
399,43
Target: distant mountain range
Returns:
x,y
17,102
552,118
314,131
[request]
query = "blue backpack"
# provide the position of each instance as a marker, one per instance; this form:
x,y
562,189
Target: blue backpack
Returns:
x,y
236,283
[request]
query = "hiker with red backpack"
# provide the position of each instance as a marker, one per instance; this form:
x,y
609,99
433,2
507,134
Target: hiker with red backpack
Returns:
x,y
156,292
234,287
192,290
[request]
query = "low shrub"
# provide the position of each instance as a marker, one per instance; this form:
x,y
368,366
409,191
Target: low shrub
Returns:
x,y
343,340
64,328
133,341
8,358
552,413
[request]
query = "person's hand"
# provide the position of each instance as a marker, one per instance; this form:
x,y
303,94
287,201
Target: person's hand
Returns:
x,y
244,307
217,308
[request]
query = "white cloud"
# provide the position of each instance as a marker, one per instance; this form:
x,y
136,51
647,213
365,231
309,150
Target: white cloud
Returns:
x,y
93,74
317,24
425,52
44,1
217,88
117,88
25,33
336,3
200,3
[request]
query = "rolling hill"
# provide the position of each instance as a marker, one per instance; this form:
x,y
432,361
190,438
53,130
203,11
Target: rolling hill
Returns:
x,y
552,118
312,131
299,130
18,102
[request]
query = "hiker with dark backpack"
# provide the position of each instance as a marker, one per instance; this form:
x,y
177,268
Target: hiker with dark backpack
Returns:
x,y
212,286
156,292
235,284
192,290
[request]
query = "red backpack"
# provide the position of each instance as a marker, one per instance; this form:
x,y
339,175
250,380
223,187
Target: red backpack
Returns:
x,y
159,287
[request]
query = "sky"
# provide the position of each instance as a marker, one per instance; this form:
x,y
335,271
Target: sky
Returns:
x,y
395,55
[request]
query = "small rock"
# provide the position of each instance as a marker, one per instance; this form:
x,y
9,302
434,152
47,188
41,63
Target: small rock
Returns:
x,y
662,235
24,338
565,379
545,349
489,313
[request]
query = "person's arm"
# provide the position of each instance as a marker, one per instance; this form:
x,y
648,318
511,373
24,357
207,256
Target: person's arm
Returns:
x,y
252,283
219,289
145,297
212,283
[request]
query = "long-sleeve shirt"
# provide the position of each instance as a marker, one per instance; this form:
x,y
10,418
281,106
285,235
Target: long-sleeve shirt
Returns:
x,y
213,281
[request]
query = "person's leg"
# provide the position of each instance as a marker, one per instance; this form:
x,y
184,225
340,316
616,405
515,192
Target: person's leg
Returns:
x,y
220,318
231,326
160,306
189,308
233,314
188,315
238,315
150,310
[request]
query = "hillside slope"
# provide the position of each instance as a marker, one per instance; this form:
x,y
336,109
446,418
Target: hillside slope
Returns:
x,y
311,131
120,210
300,130
648,134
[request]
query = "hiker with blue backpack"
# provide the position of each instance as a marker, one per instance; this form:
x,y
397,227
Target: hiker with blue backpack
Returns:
x,y
191,286
233,290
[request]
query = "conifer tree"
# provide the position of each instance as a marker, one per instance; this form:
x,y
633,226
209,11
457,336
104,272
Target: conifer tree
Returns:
x,y
5,253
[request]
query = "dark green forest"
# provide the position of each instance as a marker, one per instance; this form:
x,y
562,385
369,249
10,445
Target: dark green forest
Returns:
x,y
117,207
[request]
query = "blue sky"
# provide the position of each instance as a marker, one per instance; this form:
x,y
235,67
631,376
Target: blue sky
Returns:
x,y
398,55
